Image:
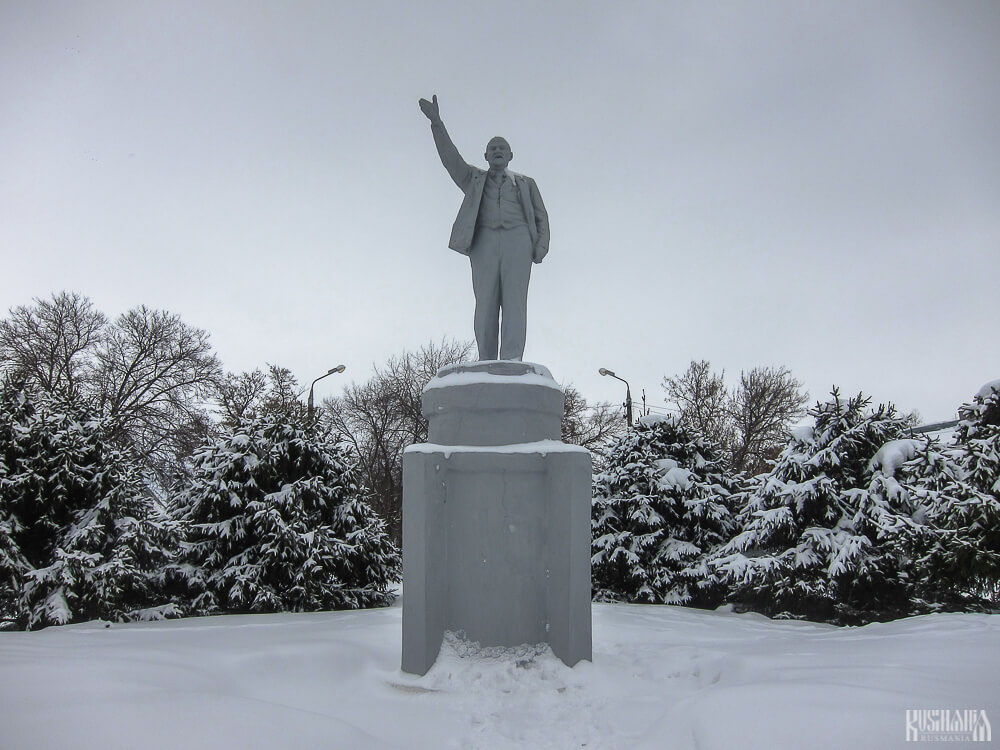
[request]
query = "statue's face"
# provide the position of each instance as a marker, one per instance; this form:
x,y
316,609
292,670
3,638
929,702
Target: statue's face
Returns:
x,y
498,153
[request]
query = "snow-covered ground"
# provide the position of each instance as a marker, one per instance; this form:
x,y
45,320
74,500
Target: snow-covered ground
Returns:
x,y
662,677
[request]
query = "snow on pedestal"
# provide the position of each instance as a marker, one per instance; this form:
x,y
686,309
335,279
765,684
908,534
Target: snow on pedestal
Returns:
x,y
496,517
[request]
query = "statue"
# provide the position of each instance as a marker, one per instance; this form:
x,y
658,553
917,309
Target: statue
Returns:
x,y
503,227
496,509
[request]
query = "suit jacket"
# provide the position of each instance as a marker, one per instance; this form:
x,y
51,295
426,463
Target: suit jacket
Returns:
x,y
471,181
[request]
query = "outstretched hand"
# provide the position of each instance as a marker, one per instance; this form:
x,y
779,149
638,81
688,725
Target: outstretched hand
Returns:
x,y
430,109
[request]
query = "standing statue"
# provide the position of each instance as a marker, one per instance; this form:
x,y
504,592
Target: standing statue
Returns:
x,y
503,227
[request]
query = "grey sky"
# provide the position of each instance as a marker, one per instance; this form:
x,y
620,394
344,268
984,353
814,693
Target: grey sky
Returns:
x,y
814,185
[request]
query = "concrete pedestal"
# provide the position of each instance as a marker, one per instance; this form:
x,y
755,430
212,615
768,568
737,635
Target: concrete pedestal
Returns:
x,y
496,517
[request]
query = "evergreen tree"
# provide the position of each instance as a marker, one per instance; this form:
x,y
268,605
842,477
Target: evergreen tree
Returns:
x,y
978,436
960,491
662,504
934,478
80,536
12,569
825,534
277,521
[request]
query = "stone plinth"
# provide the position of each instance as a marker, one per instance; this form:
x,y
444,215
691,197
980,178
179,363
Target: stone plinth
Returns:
x,y
492,403
496,517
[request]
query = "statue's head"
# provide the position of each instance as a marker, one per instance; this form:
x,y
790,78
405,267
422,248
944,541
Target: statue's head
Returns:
x,y
498,153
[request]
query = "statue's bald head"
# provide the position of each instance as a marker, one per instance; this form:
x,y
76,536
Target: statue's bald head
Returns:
x,y
498,153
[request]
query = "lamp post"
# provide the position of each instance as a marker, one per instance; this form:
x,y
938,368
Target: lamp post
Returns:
x,y
338,368
628,393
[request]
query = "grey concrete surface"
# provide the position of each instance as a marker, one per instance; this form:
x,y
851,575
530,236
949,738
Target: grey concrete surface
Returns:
x,y
496,537
492,403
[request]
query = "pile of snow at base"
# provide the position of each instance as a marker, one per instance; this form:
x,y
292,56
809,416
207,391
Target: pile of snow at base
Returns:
x,y
662,677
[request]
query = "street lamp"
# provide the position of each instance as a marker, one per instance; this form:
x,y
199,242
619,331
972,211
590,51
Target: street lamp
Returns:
x,y
338,368
628,393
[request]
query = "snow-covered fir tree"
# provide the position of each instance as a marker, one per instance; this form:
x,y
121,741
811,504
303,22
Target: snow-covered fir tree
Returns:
x,y
13,566
978,437
80,536
930,472
277,521
959,487
825,535
660,507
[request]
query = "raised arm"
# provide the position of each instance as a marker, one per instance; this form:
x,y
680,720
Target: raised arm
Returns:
x,y
461,172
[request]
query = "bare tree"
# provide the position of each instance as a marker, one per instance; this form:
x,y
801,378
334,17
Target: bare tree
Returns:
x,y
50,345
701,399
761,409
591,426
382,416
148,372
248,395
241,396
750,423
153,376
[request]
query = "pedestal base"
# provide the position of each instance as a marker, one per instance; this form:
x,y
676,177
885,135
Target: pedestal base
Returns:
x,y
496,539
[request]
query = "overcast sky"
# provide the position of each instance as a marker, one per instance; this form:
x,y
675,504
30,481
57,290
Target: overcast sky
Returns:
x,y
814,185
